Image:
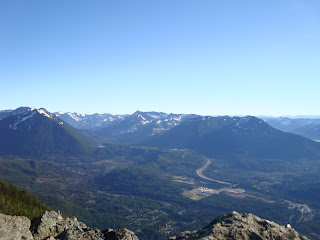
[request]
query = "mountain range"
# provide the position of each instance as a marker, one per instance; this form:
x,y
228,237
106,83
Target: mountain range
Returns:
x,y
156,172
151,123
249,136
307,127
86,121
37,132
143,125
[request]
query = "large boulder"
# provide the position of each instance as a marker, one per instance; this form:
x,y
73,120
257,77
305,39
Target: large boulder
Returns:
x,y
14,228
52,225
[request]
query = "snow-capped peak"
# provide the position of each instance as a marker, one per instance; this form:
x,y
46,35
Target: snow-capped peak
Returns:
x,y
24,113
74,116
45,113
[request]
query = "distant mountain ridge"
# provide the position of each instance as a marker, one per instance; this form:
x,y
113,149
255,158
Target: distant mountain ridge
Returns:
x,y
37,132
89,121
249,136
125,127
307,127
5,113
141,125
130,128
211,136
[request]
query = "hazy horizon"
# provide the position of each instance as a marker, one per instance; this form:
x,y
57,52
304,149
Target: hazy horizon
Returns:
x,y
213,115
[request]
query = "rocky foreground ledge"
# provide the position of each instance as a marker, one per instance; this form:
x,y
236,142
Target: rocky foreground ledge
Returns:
x,y
51,226
236,226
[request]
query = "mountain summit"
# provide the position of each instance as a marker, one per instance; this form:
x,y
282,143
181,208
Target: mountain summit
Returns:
x,y
21,118
37,132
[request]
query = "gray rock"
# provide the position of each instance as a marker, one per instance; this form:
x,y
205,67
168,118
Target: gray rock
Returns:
x,y
81,234
241,226
14,228
52,225
121,234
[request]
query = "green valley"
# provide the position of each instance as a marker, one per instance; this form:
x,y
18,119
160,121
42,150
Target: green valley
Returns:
x,y
143,189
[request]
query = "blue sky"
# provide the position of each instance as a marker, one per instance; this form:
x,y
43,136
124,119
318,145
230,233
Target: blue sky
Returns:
x,y
206,57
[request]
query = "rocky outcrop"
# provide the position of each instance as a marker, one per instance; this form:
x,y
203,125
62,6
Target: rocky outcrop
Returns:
x,y
236,226
12,228
52,225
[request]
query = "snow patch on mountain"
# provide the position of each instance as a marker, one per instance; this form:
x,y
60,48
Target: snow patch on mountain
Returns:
x,y
45,113
23,114
74,116
21,119
88,121
158,115
146,123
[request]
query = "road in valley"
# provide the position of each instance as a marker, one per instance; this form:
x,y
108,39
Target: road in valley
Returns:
x,y
230,188
201,170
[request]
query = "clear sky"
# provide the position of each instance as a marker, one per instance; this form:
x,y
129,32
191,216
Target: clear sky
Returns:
x,y
206,57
